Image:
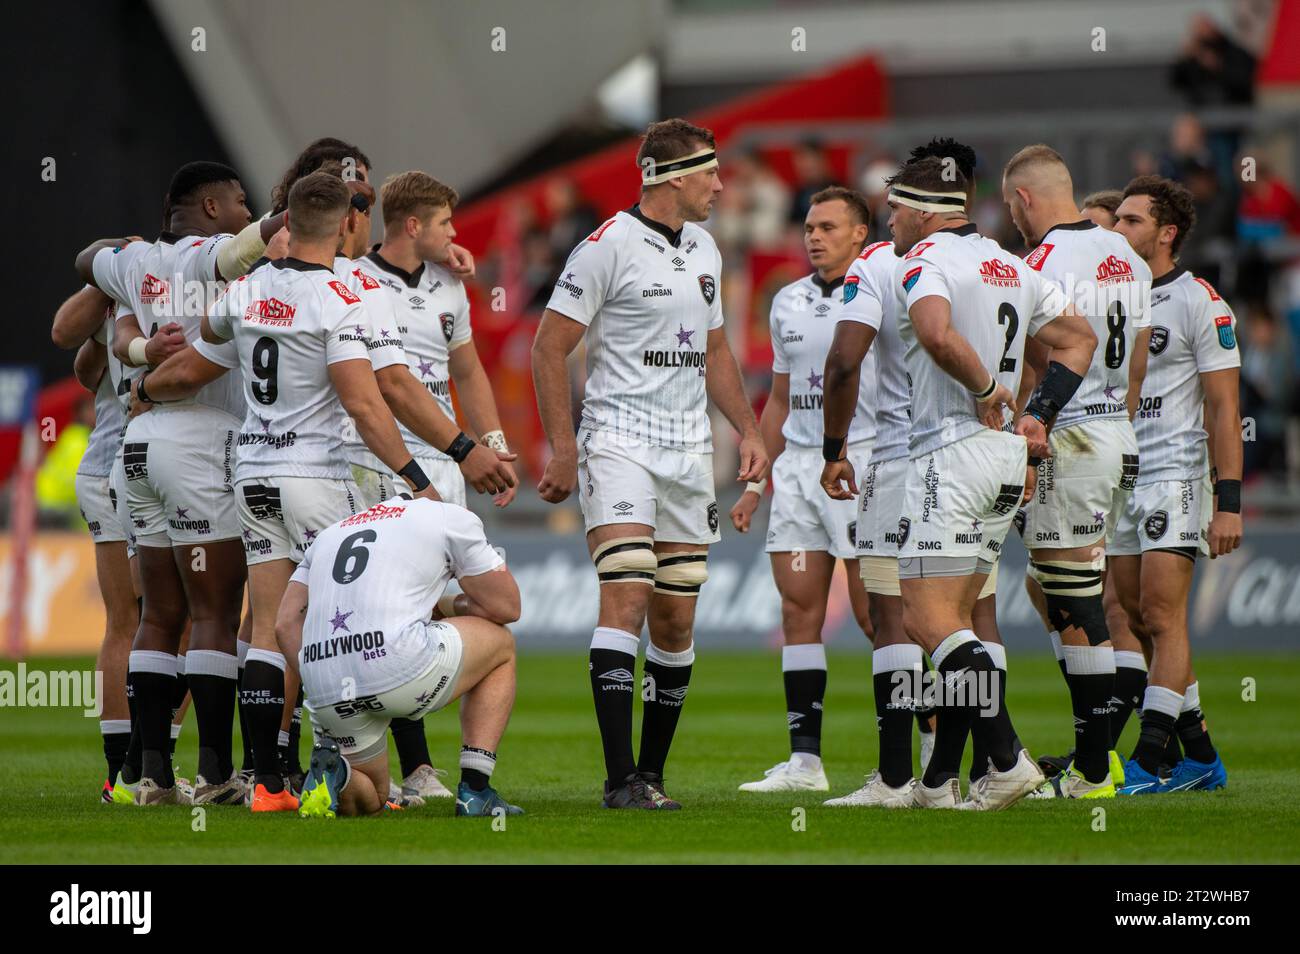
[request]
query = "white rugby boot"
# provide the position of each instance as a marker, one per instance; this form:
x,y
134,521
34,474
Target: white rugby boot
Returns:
x,y
424,782
997,790
944,795
794,775
875,792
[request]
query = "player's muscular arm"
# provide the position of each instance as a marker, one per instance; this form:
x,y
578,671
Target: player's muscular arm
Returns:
x,y
770,423
1137,370
79,318
843,374
180,376
90,364
166,341
288,622
1224,423
480,407
1071,340
557,336
724,386
932,321
86,257
1037,355
354,382
1072,343
412,404
494,596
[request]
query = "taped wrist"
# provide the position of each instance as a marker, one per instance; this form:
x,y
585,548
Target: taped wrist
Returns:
x,y
136,352
1053,392
682,574
1229,494
625,560
495,440
414,475
1073,595
237,253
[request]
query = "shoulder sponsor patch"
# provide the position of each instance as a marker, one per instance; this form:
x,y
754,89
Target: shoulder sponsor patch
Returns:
x,y
1214,296
850,288
872,248
368,283
911,278
344,292
918,249
1227,337
1039,255
595,236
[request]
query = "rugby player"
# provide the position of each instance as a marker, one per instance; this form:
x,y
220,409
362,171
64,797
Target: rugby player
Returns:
x,y
1182,507
84,322
1094,464
356,621
1100,206
808,531
962,328
304,344
645,290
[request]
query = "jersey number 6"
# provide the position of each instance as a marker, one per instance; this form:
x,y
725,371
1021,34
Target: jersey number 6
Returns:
x,y
352,557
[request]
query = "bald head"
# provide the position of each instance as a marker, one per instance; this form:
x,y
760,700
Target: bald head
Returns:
x,y
1039,193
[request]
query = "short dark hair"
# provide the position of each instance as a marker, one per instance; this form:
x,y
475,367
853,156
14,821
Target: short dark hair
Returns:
x,y
311,159
189,180
946,147
1108,199
1171,204
859,210
672,139
930,174
317,203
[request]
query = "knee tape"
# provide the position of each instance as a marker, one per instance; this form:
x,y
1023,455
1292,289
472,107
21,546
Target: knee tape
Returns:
x,y
879,575
990,587
682,574
625,560
1073,595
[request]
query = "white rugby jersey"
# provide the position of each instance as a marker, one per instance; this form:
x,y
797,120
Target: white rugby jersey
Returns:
x,y
290,320
649,298
372,582
1192,331
802,324
138,277
428,311
870,298
996,300
110,416
1109,284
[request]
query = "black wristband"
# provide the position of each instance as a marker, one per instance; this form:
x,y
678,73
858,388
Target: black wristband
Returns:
x,y
140,393
1229,492
832,448
1053,392
460,447
412,472
1034,461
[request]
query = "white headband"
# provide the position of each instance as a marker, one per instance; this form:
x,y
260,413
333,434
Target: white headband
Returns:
x,y
653,173
928,201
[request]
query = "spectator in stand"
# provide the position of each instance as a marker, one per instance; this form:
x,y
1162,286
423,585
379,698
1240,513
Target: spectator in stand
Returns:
x,y
812,173
875,186
572,218
1269,209
1268,378
752,210
1213,70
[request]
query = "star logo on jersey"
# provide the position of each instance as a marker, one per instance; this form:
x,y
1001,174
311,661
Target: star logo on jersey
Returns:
x,y
309,536
707,288
684,336
383,332
426,369
182,513
1109,391
850,288
1098,516
248,536
814,380
1159,339
339,620
360,330
976,524
265,422
448,322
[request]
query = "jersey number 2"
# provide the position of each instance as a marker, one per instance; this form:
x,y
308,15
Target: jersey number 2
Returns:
x,y
1007,316
351,560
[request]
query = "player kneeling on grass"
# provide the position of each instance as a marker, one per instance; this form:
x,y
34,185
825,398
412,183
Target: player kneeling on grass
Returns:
x,y
357,623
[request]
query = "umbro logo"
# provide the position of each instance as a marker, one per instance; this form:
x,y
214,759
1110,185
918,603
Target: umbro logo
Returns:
x,y
617,675
679,694
623,506
792,718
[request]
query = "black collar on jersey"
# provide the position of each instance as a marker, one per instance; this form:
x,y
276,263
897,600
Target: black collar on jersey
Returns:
x,y
171,238
970,228
827,287
298,265
1169,276
674,238
1080,226
412,279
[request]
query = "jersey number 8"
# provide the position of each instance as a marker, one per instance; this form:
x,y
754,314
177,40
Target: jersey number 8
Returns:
x,y
1115,340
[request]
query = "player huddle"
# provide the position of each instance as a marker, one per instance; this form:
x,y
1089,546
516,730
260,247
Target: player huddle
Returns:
x,y
274,415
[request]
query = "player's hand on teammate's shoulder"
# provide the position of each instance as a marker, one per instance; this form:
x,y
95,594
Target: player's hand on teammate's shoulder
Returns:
x,y
461,261
1224,533
838,480
428,493
743,512
559,478
488,471
164,343
278,247
753,458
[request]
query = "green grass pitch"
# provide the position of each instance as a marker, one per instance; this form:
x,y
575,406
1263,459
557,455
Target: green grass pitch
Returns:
x,y
733,727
